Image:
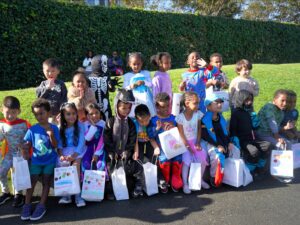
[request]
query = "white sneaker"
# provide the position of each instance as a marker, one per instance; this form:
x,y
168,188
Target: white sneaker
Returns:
x,y
186,189
79,201
204,185
65,200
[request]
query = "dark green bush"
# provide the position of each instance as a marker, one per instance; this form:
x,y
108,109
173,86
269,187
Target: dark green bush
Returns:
x,y
33,30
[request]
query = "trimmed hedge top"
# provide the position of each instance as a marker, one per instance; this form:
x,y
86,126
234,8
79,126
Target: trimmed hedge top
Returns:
x,y
34,30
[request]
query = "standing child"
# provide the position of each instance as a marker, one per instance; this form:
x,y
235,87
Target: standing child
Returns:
x,y
94,157
87,63
189,126
43,137
163,121
102,84
242,82
214,131
161,81
52,89
219,81
196,77
135,62
271,116
288,125
12,131
71,146
80,94
115,64
120,140
254,151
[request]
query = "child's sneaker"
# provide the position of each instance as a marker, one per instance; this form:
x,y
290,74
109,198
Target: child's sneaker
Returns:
x,y
19,201
26,212
137,192
204,185
39,212
186,189
212,182
65,200
79,201
4,198
174,189
163,187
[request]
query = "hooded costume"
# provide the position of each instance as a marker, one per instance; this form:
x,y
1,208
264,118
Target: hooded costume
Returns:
x,y
120,139
101,83
254,151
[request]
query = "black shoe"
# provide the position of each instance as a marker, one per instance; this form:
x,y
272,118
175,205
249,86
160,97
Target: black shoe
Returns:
x,y
163,188
212,182
5,197
110,196
137,192
19,201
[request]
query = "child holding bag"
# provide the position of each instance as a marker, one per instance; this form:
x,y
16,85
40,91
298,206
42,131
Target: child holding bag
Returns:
x,y
189,126
71,145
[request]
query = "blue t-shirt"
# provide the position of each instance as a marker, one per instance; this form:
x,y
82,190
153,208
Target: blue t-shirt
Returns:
x,y
43,152
151,129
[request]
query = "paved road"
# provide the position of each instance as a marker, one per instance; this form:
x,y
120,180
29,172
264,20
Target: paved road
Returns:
x,y
263,202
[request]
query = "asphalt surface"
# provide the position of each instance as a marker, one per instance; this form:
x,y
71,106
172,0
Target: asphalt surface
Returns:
x,y
263,202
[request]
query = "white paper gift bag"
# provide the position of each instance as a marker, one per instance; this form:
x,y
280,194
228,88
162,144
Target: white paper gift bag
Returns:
x,y
233,172
176,103
247,177
296,151
171,143
66,181
282,164
195,176
21,176
150,172
118,178
93,185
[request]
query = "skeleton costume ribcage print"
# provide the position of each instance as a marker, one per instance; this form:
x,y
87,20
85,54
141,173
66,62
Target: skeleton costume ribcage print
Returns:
x,y
99,83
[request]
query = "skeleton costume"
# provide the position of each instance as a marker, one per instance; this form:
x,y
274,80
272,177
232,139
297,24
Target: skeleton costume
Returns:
x,y
101,83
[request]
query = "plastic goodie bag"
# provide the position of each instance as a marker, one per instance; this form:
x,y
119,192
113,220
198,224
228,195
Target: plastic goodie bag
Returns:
x,y
66,181
20,176
195,176
296,151
93,185
282,164
171,143
176,103
119,184
233,172
150,173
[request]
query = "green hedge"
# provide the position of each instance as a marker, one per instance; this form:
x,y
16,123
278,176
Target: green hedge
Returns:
x,y
33,30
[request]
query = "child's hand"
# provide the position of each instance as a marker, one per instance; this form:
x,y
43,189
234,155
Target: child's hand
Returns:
x,y
182,85
139,83
62,158
81,93
25,154
168,126
289,125
158,125
95,158
50,84
189,148
198,147
221,149
135,155
201,63
156,151
69,158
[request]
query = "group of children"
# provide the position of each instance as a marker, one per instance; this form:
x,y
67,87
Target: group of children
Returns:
x,y
88,136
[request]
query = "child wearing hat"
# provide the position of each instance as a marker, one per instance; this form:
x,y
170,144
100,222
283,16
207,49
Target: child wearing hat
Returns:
x,y
214,132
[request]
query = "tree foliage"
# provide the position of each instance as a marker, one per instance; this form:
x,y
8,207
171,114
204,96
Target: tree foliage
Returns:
x,y
276,10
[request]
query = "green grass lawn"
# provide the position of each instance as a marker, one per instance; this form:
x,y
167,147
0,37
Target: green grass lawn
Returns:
x,y
270,78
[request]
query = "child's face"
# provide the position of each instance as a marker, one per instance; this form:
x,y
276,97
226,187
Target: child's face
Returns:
x,y
162,108
165,64
10,114
143,120
291,103
94,115
217,62
124,109
192,60
70,115
244,72
280,101
41,115
79,82
135,64
215,106
192,103
115,54
50,73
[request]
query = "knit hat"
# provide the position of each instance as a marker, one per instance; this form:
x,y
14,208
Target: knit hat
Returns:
x,y
124,95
